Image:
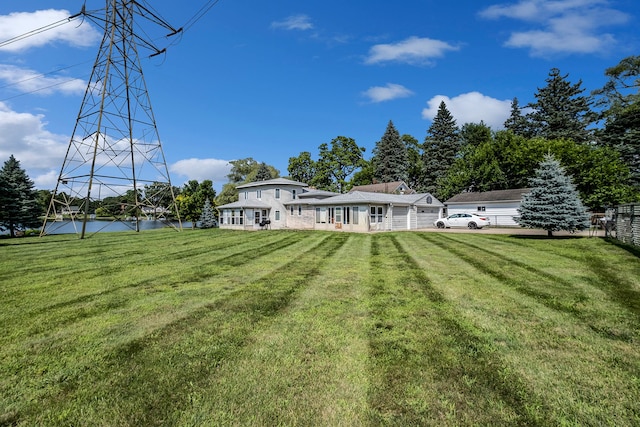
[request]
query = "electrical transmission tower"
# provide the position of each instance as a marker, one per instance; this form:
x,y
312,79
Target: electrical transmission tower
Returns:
x,y
115,149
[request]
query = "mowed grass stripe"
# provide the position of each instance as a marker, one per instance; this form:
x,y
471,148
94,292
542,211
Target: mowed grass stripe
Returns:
x,y
529,275
425,351
188,351
308,365
544,348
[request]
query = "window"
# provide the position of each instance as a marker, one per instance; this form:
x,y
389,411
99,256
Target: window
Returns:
x,y
291,209
321,215
482,208
347,215
293,194
246,195
241,217
299,209
257,218
355,214
339,215
376,214
259,194
277,215
332,215
429,200
277,193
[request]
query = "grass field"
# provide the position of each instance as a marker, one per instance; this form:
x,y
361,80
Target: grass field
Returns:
x,y
214,327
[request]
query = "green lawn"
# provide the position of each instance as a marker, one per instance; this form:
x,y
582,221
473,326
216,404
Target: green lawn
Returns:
x,y
214,327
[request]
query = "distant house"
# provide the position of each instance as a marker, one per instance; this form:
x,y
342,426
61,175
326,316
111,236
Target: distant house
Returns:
x,y
396,187
281,203
499,205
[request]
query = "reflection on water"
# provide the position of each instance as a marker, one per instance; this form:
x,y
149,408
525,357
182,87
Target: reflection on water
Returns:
x,y
94,226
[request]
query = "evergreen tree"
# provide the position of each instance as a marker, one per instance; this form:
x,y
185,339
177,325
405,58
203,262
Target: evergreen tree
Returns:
x,y
19,205
517,123
415,171
441,146
560,111
553,203
208,217
620,98
263,173
390,159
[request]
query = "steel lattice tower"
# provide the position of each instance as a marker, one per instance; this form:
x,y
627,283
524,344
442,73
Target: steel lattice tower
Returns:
x,y
115,149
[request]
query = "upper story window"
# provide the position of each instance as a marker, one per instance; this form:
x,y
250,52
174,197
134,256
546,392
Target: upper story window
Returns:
x,y
259,194
293,194
277,193
246,195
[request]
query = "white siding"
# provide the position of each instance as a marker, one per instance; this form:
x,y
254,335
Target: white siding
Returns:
x,y
499,213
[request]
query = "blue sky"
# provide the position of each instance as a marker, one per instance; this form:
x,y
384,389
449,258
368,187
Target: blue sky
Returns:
x,y
271,79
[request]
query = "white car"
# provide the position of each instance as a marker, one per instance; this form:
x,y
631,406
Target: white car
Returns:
x,y
471,221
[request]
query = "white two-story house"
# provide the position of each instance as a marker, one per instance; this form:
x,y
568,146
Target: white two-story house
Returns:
x,y
282,203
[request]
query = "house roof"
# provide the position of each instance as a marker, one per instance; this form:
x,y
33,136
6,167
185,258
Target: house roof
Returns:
x,y
490,196
365,197
385,187
275,181
246,204
313,193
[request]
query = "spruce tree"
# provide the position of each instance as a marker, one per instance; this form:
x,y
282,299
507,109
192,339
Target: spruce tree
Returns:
x,y
390,161
517,123
553,204
620,98
560,111
19,207
207,218
441,146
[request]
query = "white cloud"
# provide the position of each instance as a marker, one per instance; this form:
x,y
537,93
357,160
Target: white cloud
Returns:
x,y
30,81
414,50
387,93
39,151
17,24
571,26
471,107
200,169
294,22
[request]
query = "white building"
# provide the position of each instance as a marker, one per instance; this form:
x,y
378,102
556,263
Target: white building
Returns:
x,y
282,203
499,205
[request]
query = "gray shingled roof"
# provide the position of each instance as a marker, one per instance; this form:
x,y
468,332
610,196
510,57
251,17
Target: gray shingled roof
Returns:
x,y
383,187
275,181
246,204
490,196
360,197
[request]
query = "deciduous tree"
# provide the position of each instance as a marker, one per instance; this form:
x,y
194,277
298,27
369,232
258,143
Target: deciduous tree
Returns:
x,y
302,168
337,163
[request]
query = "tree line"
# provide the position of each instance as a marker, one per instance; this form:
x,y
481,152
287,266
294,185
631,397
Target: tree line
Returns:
x,y
595,137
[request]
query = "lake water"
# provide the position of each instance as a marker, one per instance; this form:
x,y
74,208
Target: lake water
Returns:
x,y
94,226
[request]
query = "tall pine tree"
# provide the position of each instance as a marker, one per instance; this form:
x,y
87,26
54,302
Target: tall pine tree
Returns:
x,y
19,207
517,123
441,146
553,204
560,110
621,98
390,161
